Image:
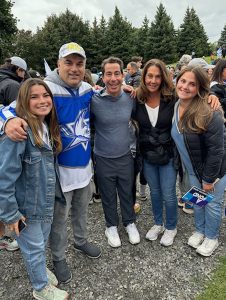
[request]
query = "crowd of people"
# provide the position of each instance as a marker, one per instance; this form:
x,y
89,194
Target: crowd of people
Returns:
x,y
154,121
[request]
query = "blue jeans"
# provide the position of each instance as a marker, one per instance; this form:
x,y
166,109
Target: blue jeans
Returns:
x,y
32,241
208,218
162,182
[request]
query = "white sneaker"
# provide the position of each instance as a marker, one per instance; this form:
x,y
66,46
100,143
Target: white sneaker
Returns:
x,y
207,247
154,232
134,236
168,237
195,239
113,237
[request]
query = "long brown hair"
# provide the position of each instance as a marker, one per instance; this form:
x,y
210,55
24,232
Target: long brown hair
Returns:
x,y
166,87
23,111
218,71
198,114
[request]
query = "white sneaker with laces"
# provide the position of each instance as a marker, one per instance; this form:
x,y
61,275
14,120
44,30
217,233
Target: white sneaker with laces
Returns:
x,y
195,239
168,237
112,236
50,292
134,236
207,247
154,232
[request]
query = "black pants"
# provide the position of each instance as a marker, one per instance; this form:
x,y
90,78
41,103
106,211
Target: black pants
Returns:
x,y
115,175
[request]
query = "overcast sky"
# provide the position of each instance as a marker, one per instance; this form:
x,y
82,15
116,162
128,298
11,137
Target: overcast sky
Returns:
x,y
33,14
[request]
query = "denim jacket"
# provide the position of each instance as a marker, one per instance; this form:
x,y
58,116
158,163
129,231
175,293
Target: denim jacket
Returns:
x,y
27,181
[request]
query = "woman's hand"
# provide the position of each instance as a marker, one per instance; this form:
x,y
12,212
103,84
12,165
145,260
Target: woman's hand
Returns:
x,y
129,89
214,102
208,187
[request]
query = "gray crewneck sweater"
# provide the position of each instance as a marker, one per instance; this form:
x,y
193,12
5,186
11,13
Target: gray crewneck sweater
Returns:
x,y
111,117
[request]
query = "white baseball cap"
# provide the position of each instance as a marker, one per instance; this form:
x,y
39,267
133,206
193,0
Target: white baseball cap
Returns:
x,y
71,48
200,62
19,62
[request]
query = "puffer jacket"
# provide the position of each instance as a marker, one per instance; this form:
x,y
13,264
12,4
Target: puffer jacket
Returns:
x,y
207,151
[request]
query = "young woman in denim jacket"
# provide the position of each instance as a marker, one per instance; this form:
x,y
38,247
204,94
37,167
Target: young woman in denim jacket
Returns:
x,y
27,183
199,135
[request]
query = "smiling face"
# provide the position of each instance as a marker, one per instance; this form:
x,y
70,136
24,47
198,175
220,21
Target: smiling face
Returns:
x,y
113,78
153,79
187,87
40,102
72,69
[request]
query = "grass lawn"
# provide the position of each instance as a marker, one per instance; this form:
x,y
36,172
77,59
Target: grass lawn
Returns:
x,y
216,287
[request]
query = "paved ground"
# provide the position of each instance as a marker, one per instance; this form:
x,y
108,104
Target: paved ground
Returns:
x,y
147,271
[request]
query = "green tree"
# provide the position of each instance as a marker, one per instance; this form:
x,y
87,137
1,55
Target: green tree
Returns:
x,y
222,40
8,29
57,31
141,38
192,35
119,37
161,41
24,46
98,42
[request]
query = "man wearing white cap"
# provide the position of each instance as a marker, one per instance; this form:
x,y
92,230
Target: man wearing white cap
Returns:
x,y
72,98
11,75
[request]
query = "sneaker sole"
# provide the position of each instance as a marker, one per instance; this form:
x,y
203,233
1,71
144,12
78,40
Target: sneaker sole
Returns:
x,y
11,250
188,211
65,282
134,243
167,245
94,257
97,200
208,254
41,298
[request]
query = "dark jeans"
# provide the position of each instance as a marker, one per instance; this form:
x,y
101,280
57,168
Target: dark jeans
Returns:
x,y
115,176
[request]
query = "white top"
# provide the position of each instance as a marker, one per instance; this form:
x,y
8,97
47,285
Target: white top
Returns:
x,y
152,114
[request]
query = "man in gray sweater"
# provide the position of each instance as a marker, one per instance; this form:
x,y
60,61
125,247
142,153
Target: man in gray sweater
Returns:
x,y
111,110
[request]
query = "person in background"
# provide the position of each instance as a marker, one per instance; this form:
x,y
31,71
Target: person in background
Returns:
x,y
88,77
94,75
94,194
199,135
138,61
135,75
12,73
34,74
27,184
218,83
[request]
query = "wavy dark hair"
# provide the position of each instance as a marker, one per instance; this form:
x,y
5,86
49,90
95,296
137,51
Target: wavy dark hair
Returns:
x,y
218,70
166,87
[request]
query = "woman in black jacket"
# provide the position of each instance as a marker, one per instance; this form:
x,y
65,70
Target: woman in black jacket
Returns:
x,y
199,135
154,112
